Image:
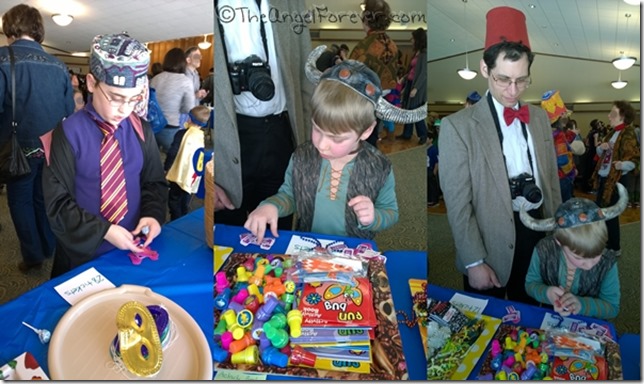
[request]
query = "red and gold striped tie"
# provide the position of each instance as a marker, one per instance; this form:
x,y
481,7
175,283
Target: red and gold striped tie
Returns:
x,y
113,193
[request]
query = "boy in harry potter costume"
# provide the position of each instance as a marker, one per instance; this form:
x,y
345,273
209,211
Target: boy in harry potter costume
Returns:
x,y
104,182
496,157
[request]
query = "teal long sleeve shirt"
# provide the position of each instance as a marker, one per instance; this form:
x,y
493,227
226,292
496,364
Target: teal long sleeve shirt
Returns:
x,y
329,214
606,306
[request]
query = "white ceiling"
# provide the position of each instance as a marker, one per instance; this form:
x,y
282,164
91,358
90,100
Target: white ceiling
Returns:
x,y
574,42
574,39
145,20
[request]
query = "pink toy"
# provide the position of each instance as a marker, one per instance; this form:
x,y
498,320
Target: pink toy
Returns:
x,y
496,348
241,296
137,257
221,282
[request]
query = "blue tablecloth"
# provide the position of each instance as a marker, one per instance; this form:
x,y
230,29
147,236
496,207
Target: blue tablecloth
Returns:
x,y
401,266
183,274
531,316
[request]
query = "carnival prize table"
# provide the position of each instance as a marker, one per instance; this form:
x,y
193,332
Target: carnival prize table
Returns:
x,y
510,313
400,266
181,276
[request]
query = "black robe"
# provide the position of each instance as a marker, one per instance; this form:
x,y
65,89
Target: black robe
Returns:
x,y
78,232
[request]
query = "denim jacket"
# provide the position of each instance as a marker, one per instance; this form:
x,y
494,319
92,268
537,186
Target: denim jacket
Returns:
x,y
44,94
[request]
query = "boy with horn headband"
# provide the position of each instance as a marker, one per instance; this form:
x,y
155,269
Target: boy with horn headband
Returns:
x,y
572,269
336,183
496,157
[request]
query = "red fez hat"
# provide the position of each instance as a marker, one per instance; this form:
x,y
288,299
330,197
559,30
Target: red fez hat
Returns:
x,y
506,24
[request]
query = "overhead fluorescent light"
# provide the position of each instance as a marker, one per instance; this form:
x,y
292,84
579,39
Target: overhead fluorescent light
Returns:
x,y
62,19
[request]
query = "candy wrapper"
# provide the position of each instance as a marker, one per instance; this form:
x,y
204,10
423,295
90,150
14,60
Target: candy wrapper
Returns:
x,y
23,367
320,266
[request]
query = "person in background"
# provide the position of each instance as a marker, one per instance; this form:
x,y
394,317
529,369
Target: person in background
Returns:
x,y
104,183
327,58
472,98
559,115
44,96
258,130
193,62
79,101
496,157
415,91
175,94
619,156
208,85
342,55
572,269
179,162
591,141
394,97
155,68
433,190
377,50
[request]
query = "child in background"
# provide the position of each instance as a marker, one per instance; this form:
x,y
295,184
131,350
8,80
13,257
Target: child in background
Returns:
x,y
103,182
394,97
432,172
179,163
572,269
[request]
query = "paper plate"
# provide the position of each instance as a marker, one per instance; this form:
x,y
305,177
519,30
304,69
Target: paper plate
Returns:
x,y
79,347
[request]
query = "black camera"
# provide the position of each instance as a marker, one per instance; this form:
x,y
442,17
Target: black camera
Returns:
x,y
253,75
524,185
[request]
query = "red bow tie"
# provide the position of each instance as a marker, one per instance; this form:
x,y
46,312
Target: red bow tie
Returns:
x,y
523,114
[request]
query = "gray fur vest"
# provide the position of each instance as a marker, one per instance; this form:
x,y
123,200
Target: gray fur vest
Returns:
x,y
369,175
589,281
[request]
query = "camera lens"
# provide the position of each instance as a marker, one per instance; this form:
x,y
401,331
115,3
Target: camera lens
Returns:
x,y
261,85
532,193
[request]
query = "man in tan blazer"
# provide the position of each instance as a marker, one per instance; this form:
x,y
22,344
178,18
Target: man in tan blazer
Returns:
x,y
483,153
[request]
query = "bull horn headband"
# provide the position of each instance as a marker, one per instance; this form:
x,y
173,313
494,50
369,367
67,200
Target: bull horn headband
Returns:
x,y
576,212
363,80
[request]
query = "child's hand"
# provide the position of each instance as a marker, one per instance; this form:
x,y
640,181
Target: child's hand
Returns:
x,y
122,239
153,229
364,209
259,218
553,294
412,93
570,303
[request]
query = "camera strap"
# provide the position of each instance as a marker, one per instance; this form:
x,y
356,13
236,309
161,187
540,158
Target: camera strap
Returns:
x,y
495,116
261,29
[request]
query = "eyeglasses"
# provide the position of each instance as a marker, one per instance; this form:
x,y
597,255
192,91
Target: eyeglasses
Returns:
x,y
119,103
505,82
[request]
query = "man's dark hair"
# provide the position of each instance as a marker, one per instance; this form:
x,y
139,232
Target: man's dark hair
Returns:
x,y
511,50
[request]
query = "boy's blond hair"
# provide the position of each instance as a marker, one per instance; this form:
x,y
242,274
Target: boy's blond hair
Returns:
x,y
337,108
587,241
200,114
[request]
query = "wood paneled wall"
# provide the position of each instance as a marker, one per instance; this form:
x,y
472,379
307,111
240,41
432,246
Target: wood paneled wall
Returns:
x,y
160,48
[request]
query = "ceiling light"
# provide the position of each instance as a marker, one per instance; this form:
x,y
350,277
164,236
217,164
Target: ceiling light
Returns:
x,y
623,62
619,84
467,73
632,2
205,44
62,19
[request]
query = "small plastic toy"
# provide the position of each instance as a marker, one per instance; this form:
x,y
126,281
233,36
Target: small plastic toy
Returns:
x,y
294,319
249,355
272,356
